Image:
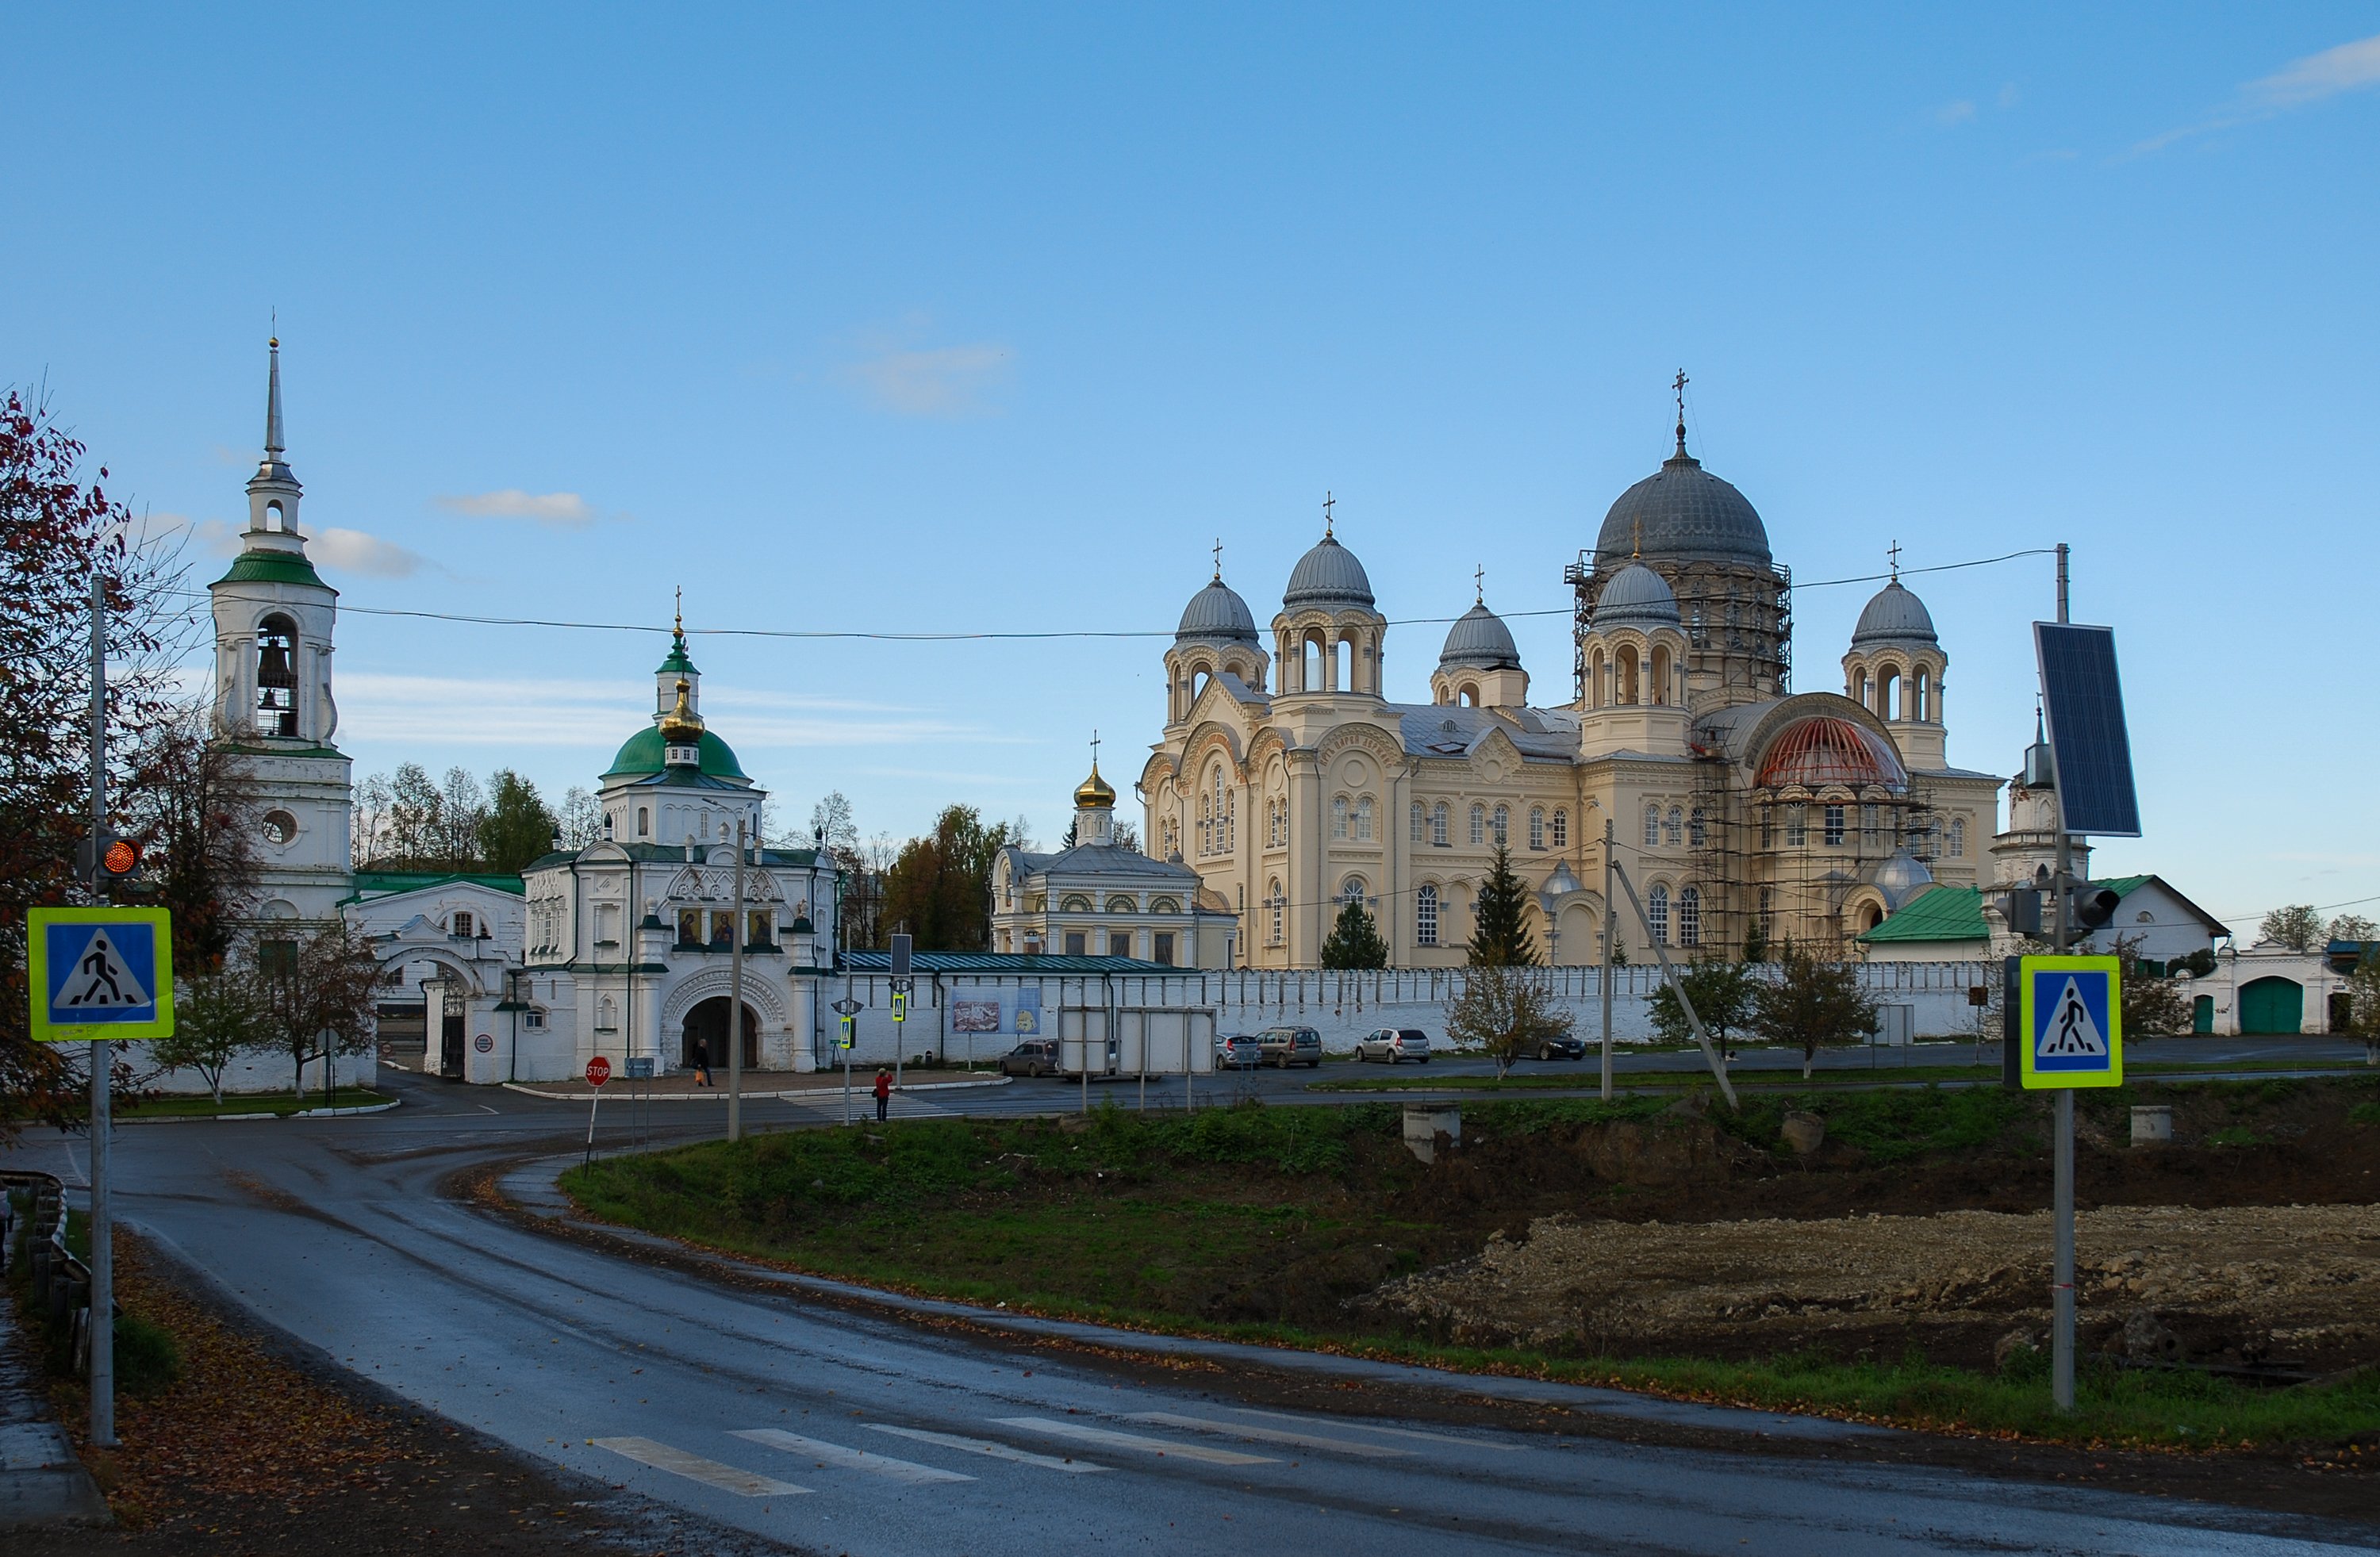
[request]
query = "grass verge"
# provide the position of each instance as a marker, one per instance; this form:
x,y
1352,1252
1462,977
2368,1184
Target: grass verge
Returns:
x,y
180,1105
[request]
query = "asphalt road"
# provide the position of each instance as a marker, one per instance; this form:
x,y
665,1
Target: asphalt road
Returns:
x,y
777,1411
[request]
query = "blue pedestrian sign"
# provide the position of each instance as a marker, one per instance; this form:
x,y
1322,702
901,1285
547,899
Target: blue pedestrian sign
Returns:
x,y
2072,1020
100,973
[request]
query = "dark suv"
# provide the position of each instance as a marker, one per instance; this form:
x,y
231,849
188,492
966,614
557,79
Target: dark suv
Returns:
x,y
1035,1056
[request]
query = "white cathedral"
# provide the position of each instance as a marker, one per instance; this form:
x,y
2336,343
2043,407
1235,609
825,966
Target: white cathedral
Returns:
x,y
1292,781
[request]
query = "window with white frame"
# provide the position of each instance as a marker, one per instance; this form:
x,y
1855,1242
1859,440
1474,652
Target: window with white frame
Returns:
x,y
1767,913
1834,818
1205,824
1277,905
1958,838
1537,827
1364,819
1419,822
1425,916
1797,826
1478,826
1503,826
1871,828
1437,825
1690,916
1561,829
1652,827
1339,817
1674,830
1696,833
1656,913
1351,890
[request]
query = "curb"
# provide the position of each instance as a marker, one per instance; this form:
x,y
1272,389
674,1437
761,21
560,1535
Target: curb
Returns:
x,y
791,1094
135,1118
42,1482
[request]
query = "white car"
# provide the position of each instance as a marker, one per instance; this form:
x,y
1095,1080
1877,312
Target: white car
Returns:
x,y
1239,1052
1393,1044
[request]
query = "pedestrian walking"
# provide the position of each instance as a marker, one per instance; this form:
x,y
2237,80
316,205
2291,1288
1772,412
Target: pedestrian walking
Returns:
x,y
702,1064
883,1093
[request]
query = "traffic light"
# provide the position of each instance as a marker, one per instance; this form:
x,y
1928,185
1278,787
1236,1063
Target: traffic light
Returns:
x,y
2088,908
103,860
2021,909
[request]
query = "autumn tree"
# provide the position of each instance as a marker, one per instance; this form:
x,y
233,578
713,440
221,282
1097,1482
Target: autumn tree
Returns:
x,y
1355,941
1812,1004
1724,996
939,886
1505,1010
2154,1005
581,817
517,827
1500,935
218,1016
192,800
2364,1003
316,993
2296,928
56,530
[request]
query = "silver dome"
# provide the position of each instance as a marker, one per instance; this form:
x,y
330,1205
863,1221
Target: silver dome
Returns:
x,y
1217,611
1329,577
1901,876
1682,510
1636,597
1479,639
1895,616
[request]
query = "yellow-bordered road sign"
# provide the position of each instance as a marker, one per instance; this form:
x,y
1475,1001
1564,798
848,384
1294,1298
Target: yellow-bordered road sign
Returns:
x,y
100,973
2070,1019
900,1005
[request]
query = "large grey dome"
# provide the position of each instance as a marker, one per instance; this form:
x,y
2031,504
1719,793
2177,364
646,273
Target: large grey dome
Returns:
x,y
1217,611
1901,876
1636,597
1682,510
1895,616
1479,639
1329,577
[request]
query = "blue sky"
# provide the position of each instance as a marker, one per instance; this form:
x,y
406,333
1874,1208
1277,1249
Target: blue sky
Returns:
x,y
906,317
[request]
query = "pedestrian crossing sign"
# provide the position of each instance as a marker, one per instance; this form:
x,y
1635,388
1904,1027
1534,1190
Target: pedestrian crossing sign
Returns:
x,y
2072,1018
100,973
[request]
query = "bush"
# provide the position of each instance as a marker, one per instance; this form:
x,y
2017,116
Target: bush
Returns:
x,y
148,1359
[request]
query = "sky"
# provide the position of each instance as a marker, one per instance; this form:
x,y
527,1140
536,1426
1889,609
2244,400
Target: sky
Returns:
x,y
896,318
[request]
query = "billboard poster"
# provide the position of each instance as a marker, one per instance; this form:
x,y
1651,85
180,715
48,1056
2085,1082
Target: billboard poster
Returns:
x,y
975,1016
1028,1010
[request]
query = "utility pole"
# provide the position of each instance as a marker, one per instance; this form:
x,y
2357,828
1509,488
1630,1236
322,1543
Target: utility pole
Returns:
x,y
1610,928
735,1000
2061,1347
103,1248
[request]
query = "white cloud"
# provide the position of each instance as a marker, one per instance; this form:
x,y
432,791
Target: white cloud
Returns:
x,y
2315,79
1959,112
932,382
212,535
443,710
561,510
353,551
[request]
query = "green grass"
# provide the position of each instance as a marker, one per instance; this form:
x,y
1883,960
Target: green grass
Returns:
x,y
1148,1221
201,1106
1886,1073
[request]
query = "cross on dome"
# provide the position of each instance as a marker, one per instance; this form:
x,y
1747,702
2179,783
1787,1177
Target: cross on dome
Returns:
x,y
1479,584
1893,551
1328,501
1679,386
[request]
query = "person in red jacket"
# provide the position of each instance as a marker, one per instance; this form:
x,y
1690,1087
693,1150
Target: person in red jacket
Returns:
x,y
883,1093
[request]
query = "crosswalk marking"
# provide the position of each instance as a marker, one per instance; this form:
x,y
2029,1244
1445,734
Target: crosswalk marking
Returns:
x,y
1113,1439
1393,1433
996,1450
1272,1435
841,1458
694,1468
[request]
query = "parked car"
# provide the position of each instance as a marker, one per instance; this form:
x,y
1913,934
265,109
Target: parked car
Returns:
x,y
1238,1051
1393,1044
1035,1056
1570,1045
1285,1046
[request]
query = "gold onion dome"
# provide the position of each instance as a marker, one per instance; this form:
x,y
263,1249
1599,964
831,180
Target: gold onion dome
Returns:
x,y
680,726
1094,794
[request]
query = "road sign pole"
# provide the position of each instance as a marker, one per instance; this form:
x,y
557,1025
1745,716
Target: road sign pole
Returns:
x,y
735,1002
102,1225
2062,1278
1610,922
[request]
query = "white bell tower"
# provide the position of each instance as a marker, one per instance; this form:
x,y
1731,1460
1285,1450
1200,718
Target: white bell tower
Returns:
x,y
273,618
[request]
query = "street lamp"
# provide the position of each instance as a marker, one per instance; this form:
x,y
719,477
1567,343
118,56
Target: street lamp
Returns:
x,y
1560,888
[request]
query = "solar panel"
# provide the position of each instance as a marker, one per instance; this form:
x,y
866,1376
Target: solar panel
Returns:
x,y
2083,702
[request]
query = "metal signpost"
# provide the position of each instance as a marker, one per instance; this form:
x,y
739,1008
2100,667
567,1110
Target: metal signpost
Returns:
x,y
736,1001
848,1012
598,1070
640,1069
902,985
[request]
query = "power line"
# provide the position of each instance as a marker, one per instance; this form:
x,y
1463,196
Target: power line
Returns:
x,y
858,635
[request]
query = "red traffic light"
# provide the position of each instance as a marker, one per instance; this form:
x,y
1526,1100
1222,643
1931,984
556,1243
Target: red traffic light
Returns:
x,y
121,858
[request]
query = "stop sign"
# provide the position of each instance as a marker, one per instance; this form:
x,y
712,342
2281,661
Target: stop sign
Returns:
x,y
598,1070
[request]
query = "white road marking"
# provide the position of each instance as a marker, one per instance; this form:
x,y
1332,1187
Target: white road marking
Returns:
x,y
1393,1433
997,1450
840,1459
1111,1440
694,1468
1272,1435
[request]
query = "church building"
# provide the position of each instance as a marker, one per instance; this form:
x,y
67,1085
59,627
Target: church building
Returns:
x,y
1292,781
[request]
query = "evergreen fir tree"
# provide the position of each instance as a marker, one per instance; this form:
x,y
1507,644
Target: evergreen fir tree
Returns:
x,y
1354,940
1501,937
1756,944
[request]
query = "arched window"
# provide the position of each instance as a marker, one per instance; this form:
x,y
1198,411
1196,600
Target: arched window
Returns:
x,y
1478,826
607,1015
1674,831
1425,916
644,821
1537,827
1200,676
1503,826
1342,666
1660,674
1797,826
1958,838
1834,818
1870,827
276,676
1859,688
1468,696
1437,825
1205,824
1696,834
1690,916
1339,816
1278,905
1364,819
1924,694
1351,890
1561,829
1768,913
1656,913
1419,822
1316,661
1652,827
1623,668
1598,686
1887,691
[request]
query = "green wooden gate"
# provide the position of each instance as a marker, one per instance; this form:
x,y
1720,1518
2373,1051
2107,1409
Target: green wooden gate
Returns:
x,y
2202,1014
2271,1004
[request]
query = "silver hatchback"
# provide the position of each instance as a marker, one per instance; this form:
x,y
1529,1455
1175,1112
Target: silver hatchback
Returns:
x,y
1393,1044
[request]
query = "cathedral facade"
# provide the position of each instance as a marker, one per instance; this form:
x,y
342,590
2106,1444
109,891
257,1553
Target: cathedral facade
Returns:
x,y
1292,782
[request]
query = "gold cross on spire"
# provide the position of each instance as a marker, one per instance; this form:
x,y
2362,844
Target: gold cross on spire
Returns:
x,y
1219,558
1893,551
679,627
1679,384
1479,586
1328,501
1636,539
1095,751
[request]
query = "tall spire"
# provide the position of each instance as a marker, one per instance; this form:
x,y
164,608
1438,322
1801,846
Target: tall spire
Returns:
x,y
276,442
1679,386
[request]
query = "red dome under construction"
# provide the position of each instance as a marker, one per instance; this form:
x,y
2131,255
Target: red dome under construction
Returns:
x,y
1822,749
